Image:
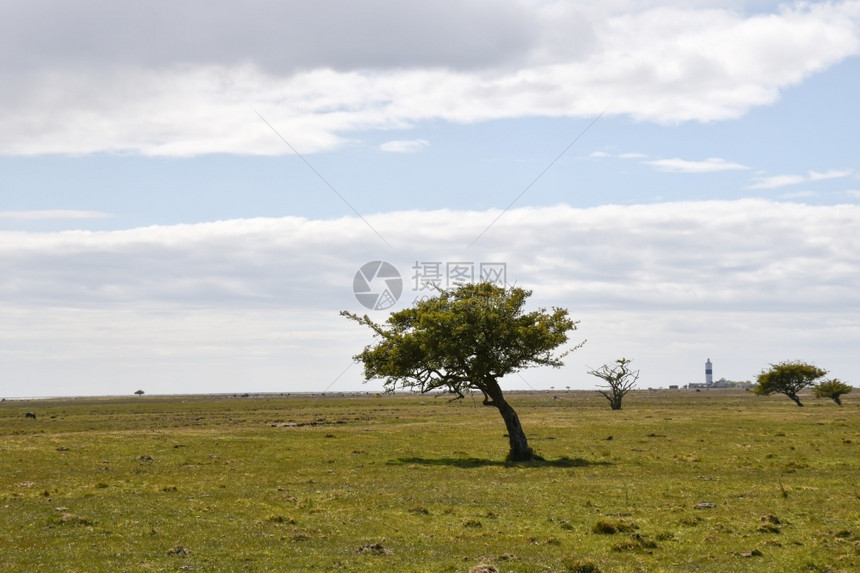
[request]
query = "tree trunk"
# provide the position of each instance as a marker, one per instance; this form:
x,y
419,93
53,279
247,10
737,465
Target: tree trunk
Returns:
x,y
614,397
836,399
520,450
794,397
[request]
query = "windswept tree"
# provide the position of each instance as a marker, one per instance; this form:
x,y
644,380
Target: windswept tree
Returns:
x,y
832,389
619,379
789,378
466,339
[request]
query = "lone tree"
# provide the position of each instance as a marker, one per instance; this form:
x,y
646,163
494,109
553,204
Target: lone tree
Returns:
x,y
140,393
789,378
467,339
619,378
832,389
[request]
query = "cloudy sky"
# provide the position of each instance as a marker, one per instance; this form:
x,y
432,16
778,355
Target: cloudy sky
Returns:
x,y
187,189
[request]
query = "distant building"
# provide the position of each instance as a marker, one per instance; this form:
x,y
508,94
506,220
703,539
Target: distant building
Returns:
x,y
709,377
721,383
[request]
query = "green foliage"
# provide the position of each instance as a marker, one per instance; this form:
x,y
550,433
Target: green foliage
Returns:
x,y
463,339
467,339
832,389
789,378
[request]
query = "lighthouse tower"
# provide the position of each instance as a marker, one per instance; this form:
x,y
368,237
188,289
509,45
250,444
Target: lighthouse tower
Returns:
x,y
709,373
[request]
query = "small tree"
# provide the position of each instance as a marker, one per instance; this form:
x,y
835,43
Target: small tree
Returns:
x,y
140,393
832,389
789,378
466,339
619,378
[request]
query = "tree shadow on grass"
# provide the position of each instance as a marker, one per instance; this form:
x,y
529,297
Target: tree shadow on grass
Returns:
x,y
562,462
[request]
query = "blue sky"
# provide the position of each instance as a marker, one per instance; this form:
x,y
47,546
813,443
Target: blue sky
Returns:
x,y
155,232
812,127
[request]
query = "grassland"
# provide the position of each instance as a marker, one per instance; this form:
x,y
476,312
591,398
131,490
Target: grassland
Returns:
x,y
677,481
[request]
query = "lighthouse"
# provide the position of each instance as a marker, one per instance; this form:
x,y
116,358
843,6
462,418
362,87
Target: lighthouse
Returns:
x,y
709,373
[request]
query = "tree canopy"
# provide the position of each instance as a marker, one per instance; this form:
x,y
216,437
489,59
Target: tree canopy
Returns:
x,y
466,339
619,378
832,389
789,378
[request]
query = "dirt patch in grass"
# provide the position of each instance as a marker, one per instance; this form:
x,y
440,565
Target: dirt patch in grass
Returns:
x,y
74,519
179,551
374,549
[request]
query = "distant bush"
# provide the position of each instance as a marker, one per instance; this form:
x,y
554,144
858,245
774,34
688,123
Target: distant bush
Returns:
x,y
832,389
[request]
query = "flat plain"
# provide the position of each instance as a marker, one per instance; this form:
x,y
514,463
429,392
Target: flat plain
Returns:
x,y
717,480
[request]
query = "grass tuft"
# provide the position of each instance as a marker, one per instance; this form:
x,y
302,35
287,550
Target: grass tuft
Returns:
x,y
580,566
612,527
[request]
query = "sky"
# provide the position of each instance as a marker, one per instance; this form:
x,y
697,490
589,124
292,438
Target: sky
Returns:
x,y
189,191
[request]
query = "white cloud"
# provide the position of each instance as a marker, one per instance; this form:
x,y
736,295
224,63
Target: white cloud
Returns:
x,y
391,66
252,304
702,250
832,174
710,165
404,145
776,181
282,37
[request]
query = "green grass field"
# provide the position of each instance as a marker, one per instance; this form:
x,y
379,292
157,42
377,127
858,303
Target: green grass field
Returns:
x,y
677,481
